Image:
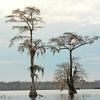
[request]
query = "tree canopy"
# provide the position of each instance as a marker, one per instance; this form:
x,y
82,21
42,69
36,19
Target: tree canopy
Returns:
x,y
27,19
70,41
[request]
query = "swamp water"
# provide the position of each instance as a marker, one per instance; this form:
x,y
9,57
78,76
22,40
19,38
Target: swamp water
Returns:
x,y
85,94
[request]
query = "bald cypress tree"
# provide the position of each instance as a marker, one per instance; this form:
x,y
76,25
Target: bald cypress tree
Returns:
x,y
70,41
27,21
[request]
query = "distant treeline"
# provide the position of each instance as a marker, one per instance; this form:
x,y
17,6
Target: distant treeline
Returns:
x,y
46,85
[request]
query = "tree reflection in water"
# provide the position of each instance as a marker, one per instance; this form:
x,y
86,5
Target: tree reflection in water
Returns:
x,y
67,97
33,98
36,98
71,97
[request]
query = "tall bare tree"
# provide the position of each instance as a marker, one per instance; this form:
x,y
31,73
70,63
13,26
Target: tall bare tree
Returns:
x,y
70,41
27,21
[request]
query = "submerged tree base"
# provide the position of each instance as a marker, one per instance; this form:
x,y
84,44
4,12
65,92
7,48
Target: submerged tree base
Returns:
x,y
72,91
32,94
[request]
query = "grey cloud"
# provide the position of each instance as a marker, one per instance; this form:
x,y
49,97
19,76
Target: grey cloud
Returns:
x,y
92,59
11,61
76,11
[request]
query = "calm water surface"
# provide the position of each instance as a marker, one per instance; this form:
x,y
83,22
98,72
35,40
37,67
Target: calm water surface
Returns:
x,y
91,94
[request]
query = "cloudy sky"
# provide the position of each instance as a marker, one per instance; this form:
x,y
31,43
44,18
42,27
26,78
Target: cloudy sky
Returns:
x,y
80,16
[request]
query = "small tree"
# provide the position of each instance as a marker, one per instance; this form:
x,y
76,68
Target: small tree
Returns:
x,y
62,74
27,20
70,42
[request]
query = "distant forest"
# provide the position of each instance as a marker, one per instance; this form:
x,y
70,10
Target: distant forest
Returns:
x,y
17,85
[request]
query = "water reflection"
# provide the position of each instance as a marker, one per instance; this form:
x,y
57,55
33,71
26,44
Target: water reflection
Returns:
x,y
36,98
32,98
63,97
71,97
67,97
4,97
84,96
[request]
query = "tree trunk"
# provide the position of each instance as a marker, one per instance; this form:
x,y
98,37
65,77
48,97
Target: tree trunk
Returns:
x,y
32,92
71,87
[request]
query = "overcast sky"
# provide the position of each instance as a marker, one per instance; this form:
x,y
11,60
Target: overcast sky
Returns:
x,y
80,16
